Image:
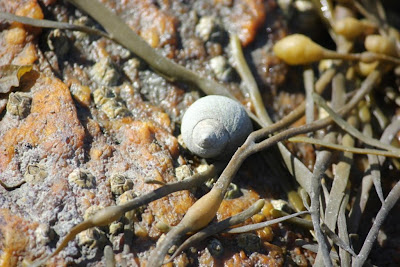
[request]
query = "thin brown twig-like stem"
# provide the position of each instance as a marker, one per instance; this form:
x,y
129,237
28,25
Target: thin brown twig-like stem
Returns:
x,y
321,164
343,232
355,150
218,227
256,226
43,23
191,182
250,146
241,66
303,223
251,84
296,114
351,130
374,165
342,172
390,201
337,240
308,77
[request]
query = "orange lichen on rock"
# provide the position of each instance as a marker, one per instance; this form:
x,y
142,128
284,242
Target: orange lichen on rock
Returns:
x,y
15,36
12,43
140,133
265,234
230,207
30,9
154,25
144,134
274,251
60,187
14,237
255,259
171,209
16,42
247,16
27,56
52,124
19,241
237,259
100,151
146,151
266,210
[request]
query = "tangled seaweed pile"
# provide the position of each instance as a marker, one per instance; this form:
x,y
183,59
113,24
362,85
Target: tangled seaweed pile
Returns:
x,y
113,168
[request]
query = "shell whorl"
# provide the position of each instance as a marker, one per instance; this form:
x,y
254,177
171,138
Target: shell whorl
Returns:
x,y
210,138
215,126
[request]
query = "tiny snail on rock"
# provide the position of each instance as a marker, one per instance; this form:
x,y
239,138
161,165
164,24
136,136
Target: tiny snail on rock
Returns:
x,y
215,126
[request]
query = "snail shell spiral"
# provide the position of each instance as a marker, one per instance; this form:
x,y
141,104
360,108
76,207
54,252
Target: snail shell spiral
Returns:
x,y
215,126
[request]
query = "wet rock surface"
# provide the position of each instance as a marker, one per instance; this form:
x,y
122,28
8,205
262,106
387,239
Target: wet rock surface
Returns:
x,y
98,124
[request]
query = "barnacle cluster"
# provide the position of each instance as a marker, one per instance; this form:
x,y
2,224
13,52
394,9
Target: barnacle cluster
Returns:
x,y
106,101
120,183
19,104
35,173
82,178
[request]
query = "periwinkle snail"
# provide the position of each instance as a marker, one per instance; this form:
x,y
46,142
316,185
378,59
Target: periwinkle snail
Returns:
x,y
215,126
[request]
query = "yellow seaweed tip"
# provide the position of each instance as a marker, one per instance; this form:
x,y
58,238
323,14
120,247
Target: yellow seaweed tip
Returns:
x,y
297,49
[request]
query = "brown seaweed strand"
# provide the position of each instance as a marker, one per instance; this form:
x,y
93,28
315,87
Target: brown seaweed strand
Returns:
x,y
321,164
191,182
390,201
218,227
43,23
342,228
337,240
242,68
209,203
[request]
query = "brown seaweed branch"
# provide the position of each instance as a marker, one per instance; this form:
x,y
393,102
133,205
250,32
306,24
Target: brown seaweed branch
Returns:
x,y
204,210
368,151
219,226
390,201
322,162
43,23
240,65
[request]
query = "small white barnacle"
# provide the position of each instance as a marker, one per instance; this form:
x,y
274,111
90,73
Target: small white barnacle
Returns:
x,y
215,126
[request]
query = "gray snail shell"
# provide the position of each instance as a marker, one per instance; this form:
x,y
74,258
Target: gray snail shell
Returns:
x,y
215,126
